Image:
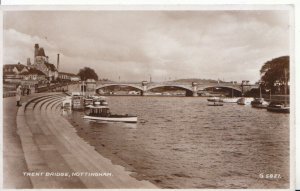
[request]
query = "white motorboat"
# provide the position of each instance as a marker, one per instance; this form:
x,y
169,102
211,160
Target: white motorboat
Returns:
x,y
215,99
230,99
245,100
100,112
259,103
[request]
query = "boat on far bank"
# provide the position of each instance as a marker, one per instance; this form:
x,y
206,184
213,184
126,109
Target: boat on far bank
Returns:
x,y
259,103
245,100
278,107
231,99
215,99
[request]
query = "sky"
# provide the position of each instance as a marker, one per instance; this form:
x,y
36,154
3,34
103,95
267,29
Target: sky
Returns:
x,y
166,45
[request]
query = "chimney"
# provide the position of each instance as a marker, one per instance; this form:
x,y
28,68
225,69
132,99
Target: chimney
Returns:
x,y
47,59
57,61
28,62
19,63
36,51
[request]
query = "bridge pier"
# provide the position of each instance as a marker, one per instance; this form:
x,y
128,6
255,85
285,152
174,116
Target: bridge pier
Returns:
x,y
195,89
195,94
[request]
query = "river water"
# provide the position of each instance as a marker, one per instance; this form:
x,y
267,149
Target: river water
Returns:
x,y
180,142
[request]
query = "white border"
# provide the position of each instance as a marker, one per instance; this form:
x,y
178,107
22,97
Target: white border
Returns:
x,y
183,5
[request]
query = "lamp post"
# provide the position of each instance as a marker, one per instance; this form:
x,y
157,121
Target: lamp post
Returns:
x,y
243,82
260,83
267,90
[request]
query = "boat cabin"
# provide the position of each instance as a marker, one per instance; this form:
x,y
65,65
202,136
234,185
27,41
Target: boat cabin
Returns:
x,y
98,111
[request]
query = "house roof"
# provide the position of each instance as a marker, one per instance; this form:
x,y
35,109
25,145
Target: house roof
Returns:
x,y
33,71
50,66
9,73
19,67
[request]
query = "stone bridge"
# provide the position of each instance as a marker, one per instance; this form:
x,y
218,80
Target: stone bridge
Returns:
x,y
191,89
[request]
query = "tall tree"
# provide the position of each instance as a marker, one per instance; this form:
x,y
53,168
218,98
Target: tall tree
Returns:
x,y
275,73
87,73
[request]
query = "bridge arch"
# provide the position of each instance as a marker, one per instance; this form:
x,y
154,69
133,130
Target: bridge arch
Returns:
x,y
118,85
237,90
218,86
189,91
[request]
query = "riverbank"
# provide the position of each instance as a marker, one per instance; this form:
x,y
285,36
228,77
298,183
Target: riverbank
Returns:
x,y
13,157
52,154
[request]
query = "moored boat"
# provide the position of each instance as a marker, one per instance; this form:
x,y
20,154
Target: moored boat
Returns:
x,y
230,100
215,99
215,104
100,112
281,107
259,103
278,107
67,102
244,100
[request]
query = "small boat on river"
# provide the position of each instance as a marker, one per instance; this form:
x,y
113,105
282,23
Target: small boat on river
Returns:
x,y
100,112
278,107
230,99
259,103
245,100
215,99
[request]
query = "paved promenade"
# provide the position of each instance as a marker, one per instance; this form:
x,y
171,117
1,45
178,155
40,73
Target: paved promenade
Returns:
x,y
37,139
13,157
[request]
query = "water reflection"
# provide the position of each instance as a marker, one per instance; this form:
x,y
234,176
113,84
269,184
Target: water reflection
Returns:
x,y
66,111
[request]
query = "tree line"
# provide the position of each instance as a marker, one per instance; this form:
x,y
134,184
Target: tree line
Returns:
x,y
275,74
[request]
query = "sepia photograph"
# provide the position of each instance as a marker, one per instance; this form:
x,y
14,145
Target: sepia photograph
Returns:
x,y
148,98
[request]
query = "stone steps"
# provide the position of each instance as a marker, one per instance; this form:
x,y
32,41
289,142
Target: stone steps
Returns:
x,y
50,144
91,150
97,157
87,154
51,150
33,155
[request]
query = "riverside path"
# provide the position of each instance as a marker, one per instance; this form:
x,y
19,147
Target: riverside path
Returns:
x,y
42,150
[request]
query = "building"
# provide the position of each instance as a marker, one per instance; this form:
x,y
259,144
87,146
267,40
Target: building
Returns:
x,y
33,74
64,76
11,72
15,68
75,78
41,62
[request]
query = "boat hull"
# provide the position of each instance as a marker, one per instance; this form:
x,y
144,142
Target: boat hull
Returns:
x,y
215,99
260,106
245,101
278,110
124,119
230,100
215,104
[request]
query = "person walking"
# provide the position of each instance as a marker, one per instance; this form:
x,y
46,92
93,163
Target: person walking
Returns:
x,y
18,96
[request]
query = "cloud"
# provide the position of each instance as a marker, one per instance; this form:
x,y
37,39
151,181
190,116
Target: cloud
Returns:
x,y
20,46
136,44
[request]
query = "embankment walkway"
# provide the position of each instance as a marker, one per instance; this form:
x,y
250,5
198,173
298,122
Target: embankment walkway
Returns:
x,y
49,144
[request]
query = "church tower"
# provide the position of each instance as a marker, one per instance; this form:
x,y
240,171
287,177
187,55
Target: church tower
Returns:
x,y
36,51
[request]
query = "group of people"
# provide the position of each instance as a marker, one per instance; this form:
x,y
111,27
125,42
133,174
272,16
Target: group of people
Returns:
x,y
20,92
